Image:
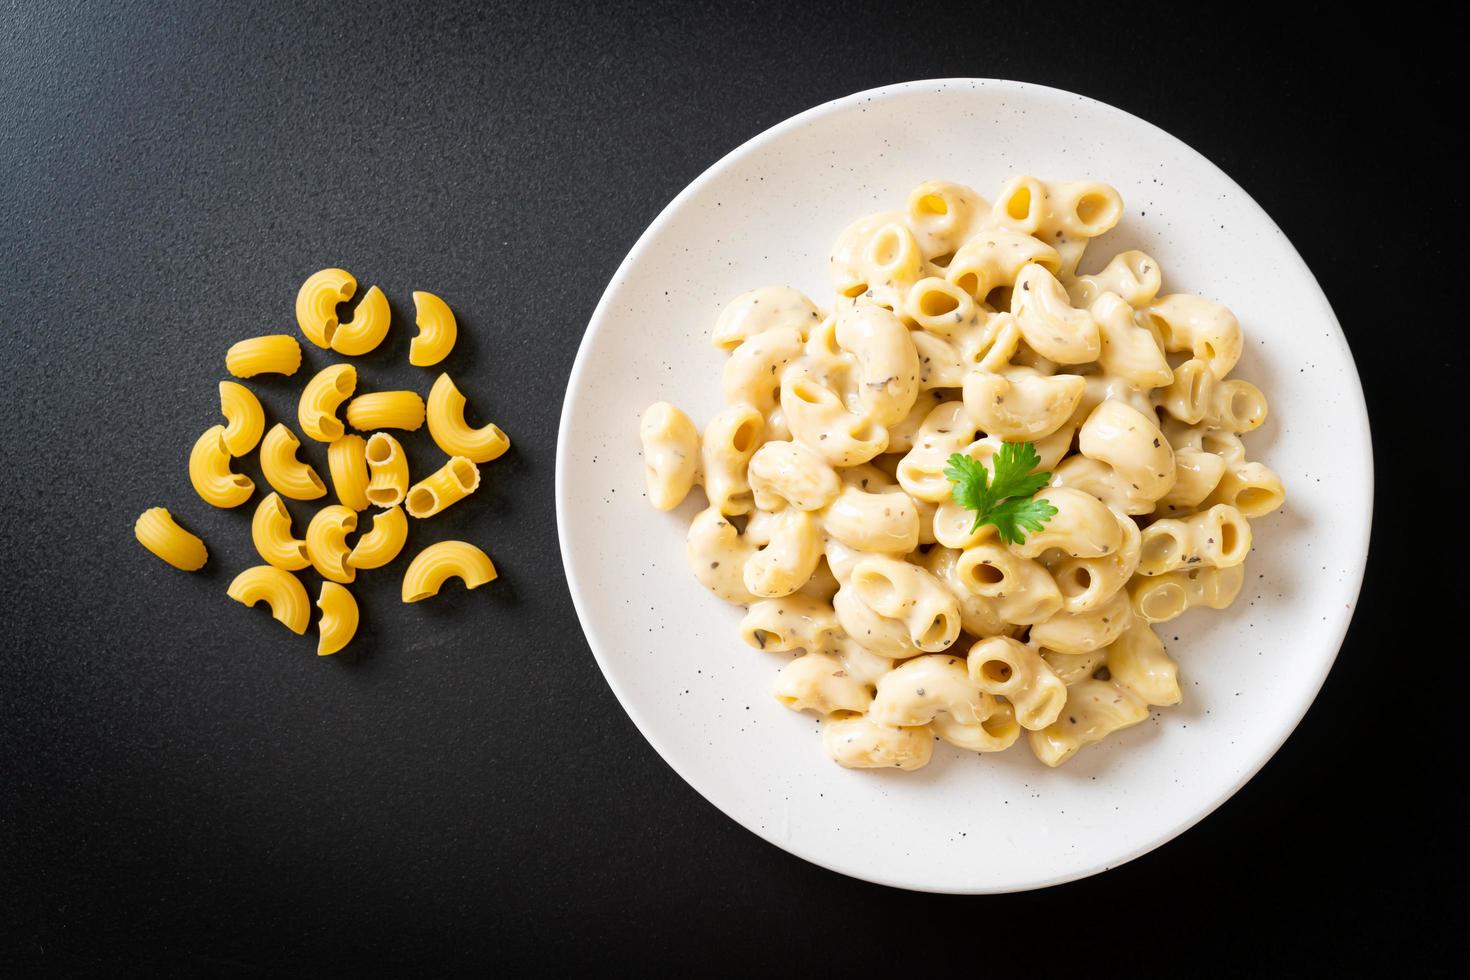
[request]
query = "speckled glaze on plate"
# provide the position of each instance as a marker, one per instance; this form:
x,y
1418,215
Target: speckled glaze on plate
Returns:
x,y
766,214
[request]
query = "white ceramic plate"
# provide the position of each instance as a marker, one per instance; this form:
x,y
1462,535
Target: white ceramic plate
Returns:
x,y
766,215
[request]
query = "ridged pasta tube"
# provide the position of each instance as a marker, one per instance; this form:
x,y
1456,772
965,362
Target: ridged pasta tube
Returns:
x,y
276,354
347,463
367,328
317,410
209,471
388,483
284,470
437,330
450,431
277,588
339,618
244,418
438,563
157,531
316,304
383,542
326,542
386,410
452,482
270,530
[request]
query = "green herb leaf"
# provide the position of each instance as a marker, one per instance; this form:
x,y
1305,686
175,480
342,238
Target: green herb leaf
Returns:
x,y
1004,500
970,479
1013,477
1017,513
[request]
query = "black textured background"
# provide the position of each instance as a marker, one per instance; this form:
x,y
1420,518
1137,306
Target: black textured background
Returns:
x,y
185,786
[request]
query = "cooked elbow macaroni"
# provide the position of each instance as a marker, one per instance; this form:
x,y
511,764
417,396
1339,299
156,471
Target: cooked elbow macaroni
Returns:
x,y
959,325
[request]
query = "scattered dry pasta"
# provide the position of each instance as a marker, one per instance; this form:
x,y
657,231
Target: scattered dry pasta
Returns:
x,y
366,470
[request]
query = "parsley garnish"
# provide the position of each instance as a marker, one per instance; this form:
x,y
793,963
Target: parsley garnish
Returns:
x,y
1006,500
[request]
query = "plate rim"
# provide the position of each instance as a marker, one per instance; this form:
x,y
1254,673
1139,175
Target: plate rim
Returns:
x,y
1338,630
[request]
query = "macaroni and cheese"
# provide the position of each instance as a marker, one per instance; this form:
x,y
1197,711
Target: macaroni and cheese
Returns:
x,y
835,505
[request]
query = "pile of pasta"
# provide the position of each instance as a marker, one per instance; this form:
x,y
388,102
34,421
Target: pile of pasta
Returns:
x,y
960,325
368,471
